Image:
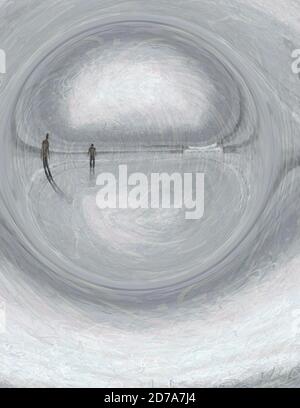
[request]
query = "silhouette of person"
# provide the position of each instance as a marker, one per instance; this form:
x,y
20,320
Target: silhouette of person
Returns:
x,y
45,155
92,154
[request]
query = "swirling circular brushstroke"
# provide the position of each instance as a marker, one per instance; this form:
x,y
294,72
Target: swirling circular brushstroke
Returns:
x,y
162,87
160,90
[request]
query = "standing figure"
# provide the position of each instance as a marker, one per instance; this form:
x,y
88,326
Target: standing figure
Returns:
x,y
92,154
45,155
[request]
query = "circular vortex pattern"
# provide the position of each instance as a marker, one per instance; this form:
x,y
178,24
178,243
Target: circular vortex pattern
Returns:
x,y
160,90
138,89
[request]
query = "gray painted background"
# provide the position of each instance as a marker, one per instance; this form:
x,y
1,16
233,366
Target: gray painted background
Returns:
x,y
143,298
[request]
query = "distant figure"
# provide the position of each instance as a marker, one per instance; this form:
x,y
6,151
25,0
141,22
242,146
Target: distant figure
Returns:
x,y
92,153
45,148
45,155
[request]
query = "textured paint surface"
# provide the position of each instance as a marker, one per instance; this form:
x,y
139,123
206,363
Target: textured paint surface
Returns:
x,y
144,297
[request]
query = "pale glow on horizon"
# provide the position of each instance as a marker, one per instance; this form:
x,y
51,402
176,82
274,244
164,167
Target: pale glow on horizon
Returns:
x,y
151,90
